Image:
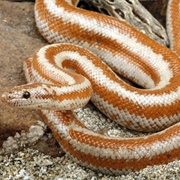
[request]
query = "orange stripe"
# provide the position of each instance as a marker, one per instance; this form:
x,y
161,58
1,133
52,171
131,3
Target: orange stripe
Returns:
x,y
168,55
175,16
87,92
150,112
156,111
95,39
168,111
128,144
117,164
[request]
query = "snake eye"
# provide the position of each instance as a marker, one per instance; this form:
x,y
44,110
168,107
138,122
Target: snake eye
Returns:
x,y
26,95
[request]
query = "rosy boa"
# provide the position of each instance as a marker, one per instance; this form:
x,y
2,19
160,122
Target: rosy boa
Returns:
x,y
130,53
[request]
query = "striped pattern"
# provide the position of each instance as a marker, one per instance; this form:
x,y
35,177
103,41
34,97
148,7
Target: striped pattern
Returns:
x,y
135,57
112,155
55,85
173,24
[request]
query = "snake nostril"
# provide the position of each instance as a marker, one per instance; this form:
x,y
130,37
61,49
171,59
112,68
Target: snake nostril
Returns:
x,y
26,95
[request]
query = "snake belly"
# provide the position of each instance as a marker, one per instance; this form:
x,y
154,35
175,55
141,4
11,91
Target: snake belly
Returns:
x,y
128,52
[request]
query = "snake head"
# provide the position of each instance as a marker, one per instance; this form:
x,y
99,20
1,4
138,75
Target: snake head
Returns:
x,y
27,96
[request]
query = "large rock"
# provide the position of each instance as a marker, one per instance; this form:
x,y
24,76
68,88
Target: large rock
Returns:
x,y
19,39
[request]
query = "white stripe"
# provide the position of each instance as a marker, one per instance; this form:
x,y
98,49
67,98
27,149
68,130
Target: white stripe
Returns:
x,y
36,77
120,63
138,152
53,72
146,53
124,66
72,88
64,104
63,132
165,99
123,117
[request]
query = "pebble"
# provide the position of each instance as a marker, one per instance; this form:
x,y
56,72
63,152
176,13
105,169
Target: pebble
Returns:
x,y
13,144
29,164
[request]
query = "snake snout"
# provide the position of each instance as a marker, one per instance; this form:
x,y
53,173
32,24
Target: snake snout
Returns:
x,y
9,96
5,97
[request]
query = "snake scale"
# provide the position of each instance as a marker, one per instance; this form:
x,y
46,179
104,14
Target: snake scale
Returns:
x,y
70,72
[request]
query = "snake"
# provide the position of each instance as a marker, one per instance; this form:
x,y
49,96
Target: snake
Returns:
x,y
88,54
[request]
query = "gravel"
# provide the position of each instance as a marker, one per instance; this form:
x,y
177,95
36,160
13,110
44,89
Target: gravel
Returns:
x,y
30,164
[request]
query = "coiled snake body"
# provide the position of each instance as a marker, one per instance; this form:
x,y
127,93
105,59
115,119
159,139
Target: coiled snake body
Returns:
x,y
52,87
